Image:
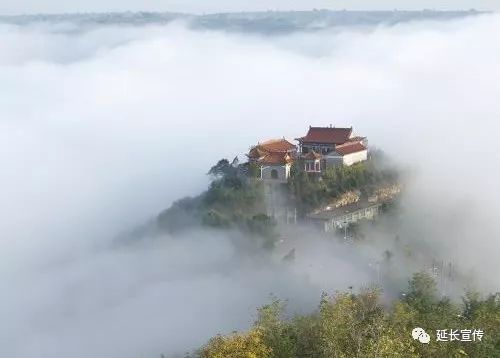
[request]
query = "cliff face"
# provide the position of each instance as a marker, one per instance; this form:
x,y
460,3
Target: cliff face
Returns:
x,y
347,198
382,194
388,193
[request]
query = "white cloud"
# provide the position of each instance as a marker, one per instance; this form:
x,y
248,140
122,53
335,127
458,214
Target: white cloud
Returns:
x,y
102,129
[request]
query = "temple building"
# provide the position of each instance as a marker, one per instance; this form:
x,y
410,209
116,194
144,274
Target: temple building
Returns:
x,y
324,147
274,159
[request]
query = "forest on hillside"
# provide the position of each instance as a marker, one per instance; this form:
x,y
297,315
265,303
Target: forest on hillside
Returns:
x,y
348,324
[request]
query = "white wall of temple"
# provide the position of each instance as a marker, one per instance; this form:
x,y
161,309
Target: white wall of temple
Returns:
x,y
276,172
357,157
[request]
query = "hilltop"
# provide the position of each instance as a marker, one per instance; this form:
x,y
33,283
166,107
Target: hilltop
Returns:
x,y
280,186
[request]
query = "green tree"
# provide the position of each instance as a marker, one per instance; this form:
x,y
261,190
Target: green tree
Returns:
x,y
483,314
245,345
349,324
422,292
277,334
356,325
222,168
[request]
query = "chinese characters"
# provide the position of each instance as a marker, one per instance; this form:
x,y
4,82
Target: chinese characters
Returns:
x,y
461,335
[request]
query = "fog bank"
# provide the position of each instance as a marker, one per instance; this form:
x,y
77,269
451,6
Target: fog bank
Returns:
x,y
100,130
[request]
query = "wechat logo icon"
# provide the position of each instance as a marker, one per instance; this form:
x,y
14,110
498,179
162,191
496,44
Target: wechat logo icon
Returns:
x,y
419,333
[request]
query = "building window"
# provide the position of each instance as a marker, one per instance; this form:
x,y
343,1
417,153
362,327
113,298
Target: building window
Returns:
x,y
274,174
316,166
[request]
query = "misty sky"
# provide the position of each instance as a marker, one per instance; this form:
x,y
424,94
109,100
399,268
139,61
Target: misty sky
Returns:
x,y
197,6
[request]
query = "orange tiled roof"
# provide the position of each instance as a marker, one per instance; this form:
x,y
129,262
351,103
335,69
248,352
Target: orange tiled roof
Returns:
x,y
327,135
350,148
256,153
356,139
272,152
276,159
277,145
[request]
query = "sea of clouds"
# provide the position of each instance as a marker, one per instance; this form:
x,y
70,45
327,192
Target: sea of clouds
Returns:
x,y
102,129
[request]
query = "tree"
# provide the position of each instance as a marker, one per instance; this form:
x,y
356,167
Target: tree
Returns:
x,y
263,226
222,168
278,334
356,325
392,344
215,219
181,215
349,324
253,170
422,292
483,314
244,345
431,313
307,192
